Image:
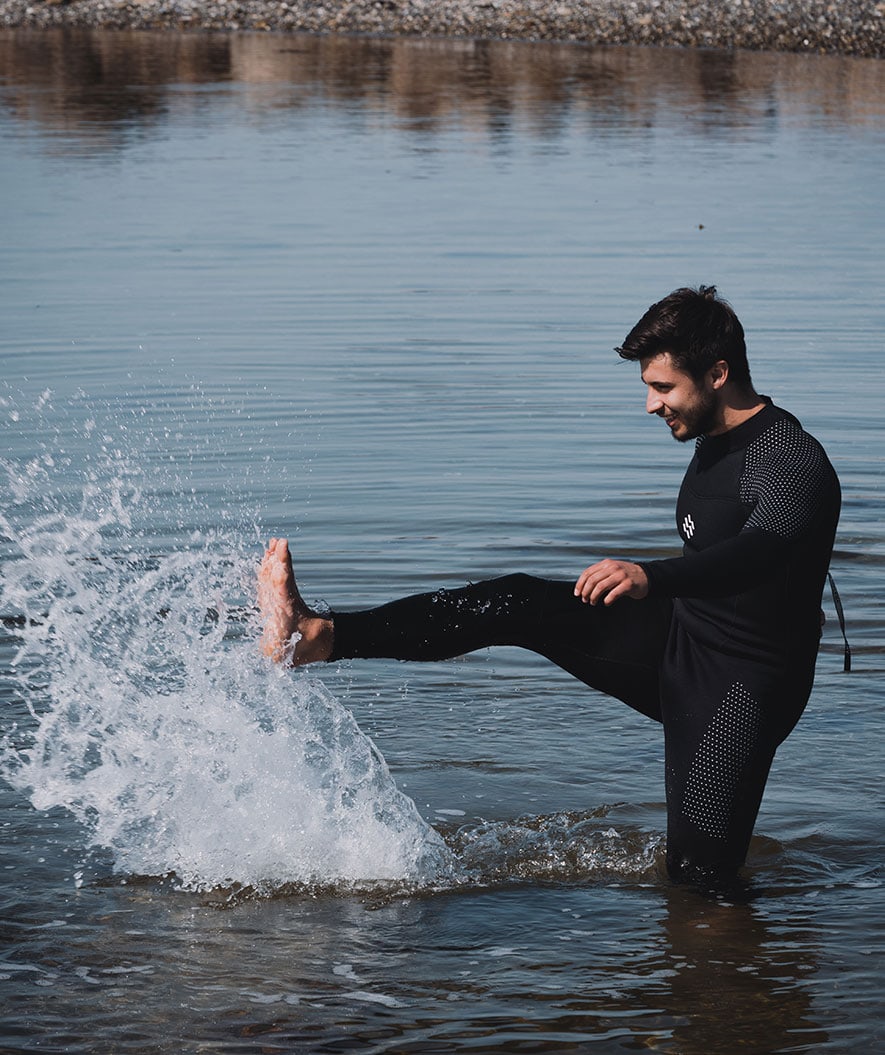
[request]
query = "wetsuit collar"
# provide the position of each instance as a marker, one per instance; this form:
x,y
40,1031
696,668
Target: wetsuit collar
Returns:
x,y
738,437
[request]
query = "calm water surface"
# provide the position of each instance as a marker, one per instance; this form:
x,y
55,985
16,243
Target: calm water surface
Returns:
x,y
365,293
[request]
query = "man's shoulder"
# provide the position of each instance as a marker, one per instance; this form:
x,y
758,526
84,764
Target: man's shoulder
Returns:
x,y
782,450
780,432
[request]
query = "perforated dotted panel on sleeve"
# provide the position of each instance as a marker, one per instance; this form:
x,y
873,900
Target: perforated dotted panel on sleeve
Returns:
x,y
786,475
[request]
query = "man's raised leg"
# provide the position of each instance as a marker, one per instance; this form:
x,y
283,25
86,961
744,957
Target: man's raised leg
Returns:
x,y
615,649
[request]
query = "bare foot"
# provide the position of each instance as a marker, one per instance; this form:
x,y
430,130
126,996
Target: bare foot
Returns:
x,y
292,632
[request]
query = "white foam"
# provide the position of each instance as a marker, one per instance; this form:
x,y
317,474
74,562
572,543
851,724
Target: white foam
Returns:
x,y
157,723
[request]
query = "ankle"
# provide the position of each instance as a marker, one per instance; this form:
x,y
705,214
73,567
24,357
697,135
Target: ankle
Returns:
x,y
316,640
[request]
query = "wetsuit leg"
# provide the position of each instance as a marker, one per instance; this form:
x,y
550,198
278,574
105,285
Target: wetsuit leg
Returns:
x,y
617,650
721,728
723,721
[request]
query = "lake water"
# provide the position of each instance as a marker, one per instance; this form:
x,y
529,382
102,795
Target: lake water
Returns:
x,y
365,294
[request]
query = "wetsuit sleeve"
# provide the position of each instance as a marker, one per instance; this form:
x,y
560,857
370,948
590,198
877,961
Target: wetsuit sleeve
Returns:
x,y
784,488
731,566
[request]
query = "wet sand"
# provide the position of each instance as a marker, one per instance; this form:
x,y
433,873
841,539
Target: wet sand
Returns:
x,y
850,27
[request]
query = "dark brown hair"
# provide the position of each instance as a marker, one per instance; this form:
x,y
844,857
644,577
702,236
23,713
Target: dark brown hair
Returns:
x,y
697,328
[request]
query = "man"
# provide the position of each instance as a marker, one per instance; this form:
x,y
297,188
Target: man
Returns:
x,y
719,644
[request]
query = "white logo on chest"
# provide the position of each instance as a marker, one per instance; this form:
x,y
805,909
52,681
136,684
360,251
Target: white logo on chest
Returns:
x,y
688,526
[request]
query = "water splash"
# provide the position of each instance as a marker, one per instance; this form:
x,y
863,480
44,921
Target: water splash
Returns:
x,y
149,714
155,721
565,847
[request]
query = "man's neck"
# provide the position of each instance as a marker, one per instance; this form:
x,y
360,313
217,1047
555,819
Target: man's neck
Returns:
x,y
736,408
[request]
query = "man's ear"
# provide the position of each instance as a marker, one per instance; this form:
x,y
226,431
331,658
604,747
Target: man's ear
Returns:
x,y
718,373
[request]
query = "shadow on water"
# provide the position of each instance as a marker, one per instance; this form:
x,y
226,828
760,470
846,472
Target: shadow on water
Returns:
x,y
101,88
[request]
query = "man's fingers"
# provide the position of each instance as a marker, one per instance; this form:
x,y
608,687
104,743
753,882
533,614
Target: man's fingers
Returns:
x,y
584,584
610,593
606,589
594,581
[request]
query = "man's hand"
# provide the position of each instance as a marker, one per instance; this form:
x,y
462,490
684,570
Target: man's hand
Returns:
x,y
610,579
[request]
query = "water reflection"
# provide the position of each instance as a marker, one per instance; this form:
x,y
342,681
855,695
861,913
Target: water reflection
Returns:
x,y
734,980
102,85
680,976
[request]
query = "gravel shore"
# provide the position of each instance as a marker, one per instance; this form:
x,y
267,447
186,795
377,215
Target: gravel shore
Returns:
x,y
851,27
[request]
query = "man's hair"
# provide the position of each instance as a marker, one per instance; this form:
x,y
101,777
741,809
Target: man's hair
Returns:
x,y
697,328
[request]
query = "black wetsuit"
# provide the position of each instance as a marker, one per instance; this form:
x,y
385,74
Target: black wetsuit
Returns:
x,y
722,651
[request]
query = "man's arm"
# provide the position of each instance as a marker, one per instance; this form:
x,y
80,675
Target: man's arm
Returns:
x,y
790,486
728,567
731,566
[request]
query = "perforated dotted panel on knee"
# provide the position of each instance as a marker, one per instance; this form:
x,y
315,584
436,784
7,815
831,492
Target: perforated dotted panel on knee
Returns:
x,y
722,755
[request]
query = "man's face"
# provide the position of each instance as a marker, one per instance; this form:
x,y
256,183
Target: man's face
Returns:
x,y
690,408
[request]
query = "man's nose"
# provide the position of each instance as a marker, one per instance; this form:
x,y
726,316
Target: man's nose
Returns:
x,y
653,402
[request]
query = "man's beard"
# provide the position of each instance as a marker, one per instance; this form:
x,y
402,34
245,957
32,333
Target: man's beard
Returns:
x,y
699,419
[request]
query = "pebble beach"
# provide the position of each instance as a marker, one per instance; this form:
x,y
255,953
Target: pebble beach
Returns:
x,y
848,27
